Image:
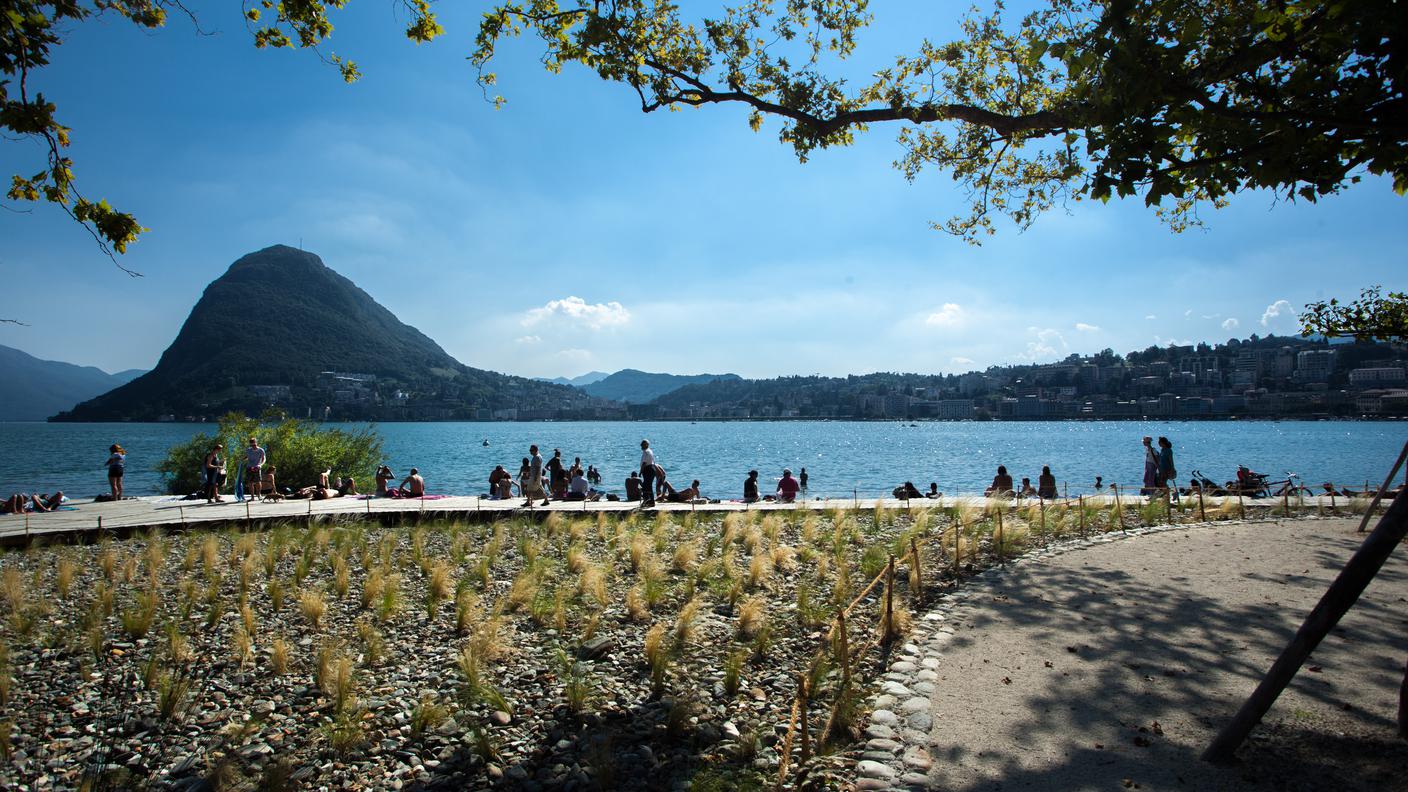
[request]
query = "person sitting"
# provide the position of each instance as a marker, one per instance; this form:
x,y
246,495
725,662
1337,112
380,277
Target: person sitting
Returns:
x,y
412,486
750,487
267,486
907,491
22,502
384,476
633,483
1099,483
497,475
579,489
1001,484
933,491
1046,484
1027,490
787,487
685,495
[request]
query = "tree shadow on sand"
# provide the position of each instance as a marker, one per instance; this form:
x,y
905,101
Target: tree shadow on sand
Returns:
x,y
1123,678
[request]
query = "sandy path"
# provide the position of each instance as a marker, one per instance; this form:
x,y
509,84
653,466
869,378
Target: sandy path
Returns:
x,y
1059,670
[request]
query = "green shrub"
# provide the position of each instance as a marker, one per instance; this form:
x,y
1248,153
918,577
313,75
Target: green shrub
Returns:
x,y
299,449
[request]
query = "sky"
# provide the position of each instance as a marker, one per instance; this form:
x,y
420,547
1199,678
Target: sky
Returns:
x,y
570,232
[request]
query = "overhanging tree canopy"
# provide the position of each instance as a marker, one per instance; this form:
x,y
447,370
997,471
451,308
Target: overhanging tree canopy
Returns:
x,y
1184,102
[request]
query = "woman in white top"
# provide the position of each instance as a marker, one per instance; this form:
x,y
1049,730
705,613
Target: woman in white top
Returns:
x,y
116,464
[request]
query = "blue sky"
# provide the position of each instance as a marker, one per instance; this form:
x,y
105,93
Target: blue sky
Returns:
x,y
569,232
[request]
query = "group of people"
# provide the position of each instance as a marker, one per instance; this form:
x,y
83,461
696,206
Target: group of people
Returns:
x,y
259,478
1159,473
564,482
1002,486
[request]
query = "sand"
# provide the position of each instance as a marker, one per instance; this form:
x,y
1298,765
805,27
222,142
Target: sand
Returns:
x,y
1113,666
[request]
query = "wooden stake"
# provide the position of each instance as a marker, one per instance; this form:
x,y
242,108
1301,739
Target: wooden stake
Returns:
x,y
1332,496
845,649
1241,507
1202,512
890,599
1001,538
1081,507
918,570
1042,507
804,695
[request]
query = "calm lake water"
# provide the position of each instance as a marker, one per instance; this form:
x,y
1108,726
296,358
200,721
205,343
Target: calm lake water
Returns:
x,y
872,457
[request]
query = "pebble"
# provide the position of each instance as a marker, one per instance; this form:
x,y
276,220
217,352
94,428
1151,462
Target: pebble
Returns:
x,y
873,769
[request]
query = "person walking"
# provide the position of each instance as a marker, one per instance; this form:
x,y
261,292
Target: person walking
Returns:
x,y
1151,467
647,474
116,465
534,486
1168,475
802,480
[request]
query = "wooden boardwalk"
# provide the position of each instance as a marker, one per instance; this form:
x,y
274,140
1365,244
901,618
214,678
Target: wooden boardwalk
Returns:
x,y
136,514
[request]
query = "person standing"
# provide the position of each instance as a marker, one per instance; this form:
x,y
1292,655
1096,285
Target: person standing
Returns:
x,y
116,465
1151,467
214,471
647,474
1168,475
802,480
534,487
254,457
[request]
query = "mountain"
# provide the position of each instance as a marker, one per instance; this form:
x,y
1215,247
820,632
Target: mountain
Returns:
x,y
34,389
586,379
639,387
281,328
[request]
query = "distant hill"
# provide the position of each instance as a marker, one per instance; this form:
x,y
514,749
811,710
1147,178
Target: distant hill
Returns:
x,y
582,381
639,387
33,389
266,331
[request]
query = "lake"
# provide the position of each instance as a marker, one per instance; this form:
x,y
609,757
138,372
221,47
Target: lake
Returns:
x,y
840,456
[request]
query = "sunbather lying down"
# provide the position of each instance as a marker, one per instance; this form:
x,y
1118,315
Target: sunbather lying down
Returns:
x,y
321,491
38,502
1353,493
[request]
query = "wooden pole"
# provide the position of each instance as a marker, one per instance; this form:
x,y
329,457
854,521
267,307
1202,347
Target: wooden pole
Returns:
x,y
1380,494
1001,537
1081,507
1042,506
804,694
1286,499
957,537
918,570
1118,508
890,598
1241,507
1332,496
845,644
1403,705
1338,599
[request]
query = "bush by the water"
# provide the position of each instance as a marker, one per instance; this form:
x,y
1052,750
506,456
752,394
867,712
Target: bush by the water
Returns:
x,y
299,449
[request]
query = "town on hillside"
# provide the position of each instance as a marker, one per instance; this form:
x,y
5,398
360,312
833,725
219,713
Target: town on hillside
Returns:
x,y
1275,376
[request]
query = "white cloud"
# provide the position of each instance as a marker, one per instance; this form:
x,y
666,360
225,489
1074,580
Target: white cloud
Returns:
x,y
960,361
574,355
1274,310
1212,316
950,315
1150,316
528,339
579,313
1087,328
1049,343
1188,313
1230,324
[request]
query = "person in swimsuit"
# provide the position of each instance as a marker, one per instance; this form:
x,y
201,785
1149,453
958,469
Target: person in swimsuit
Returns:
x,y
116,465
